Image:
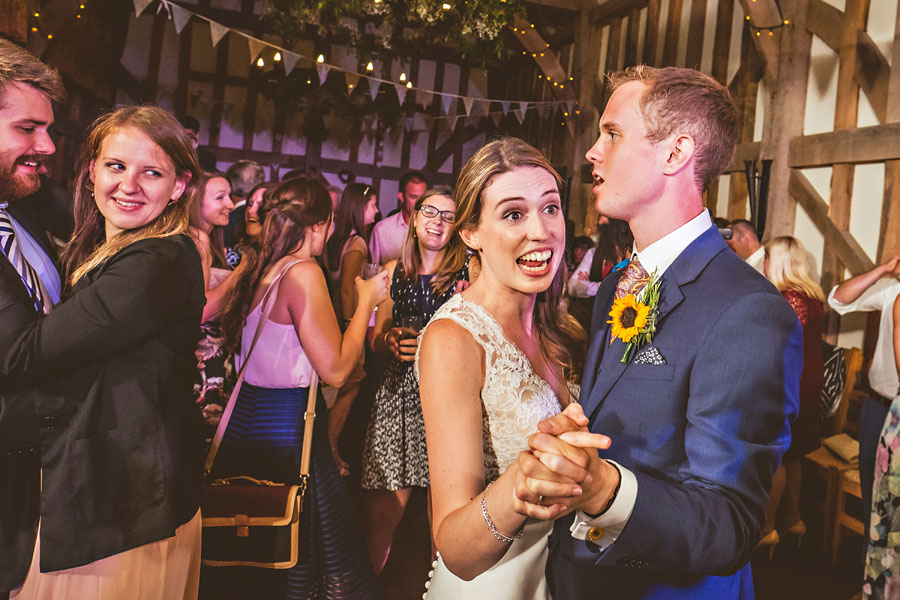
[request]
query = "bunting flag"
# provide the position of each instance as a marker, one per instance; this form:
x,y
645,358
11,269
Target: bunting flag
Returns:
x,y
216,32
419,123
179,16
429,123
496,116
401,93
467,103
520,113
352,81
424,98
255,46
289,59
409,123
140,5
475,106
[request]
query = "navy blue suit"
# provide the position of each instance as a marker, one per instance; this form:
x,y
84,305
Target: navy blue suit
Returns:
x,y
703,434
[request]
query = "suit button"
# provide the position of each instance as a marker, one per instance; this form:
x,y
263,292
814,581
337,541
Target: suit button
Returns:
x,y
595,533
49,422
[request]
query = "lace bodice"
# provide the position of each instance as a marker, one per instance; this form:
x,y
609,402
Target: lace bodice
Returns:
x,y
514,398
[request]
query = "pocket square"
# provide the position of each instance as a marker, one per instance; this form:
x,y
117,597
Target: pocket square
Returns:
x,y
650,356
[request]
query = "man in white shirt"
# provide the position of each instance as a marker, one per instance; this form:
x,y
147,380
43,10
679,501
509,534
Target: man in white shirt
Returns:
x,y
873,291
28,89
745,242
699,415
388,235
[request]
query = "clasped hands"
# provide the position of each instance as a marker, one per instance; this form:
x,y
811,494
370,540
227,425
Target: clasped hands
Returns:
x,y
561,471
402,342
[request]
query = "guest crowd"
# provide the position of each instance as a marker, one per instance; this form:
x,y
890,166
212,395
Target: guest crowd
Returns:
x,y
118,355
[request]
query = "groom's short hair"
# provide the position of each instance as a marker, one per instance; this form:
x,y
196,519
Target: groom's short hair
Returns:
x,y
684,100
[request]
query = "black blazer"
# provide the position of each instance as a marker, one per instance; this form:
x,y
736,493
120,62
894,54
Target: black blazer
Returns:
x,y
120,439
20,467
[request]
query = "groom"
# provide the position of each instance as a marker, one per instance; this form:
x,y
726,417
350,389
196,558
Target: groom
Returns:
x,y
699,415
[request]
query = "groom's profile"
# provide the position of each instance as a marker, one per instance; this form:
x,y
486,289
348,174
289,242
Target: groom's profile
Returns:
x,y
698,414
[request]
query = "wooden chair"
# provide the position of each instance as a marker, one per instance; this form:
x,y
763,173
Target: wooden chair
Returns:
x,y
834,471
848,485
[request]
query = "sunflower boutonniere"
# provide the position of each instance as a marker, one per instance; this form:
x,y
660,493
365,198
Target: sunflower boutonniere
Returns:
x,y
634,322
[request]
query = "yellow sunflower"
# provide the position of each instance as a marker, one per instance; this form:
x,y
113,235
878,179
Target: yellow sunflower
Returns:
x,y
628,317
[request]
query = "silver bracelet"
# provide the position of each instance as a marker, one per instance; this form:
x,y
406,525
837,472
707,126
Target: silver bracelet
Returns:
x,y
487,519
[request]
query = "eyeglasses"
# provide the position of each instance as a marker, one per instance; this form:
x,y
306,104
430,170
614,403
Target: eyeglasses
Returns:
x,y
431,212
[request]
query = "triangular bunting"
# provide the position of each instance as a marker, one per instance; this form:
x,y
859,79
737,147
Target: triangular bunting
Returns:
x,y
255,46
520,113
352,80
570,105
496,116
544,109
409,123
468,101
140,5
323,72
484,107
505,105
424,97
446,102
401,93
451,122
429,123
289,59
217,32
419,122
373,89
179,16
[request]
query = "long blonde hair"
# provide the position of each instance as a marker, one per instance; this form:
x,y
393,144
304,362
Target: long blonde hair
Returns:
x,y
89,247
562,339
787,267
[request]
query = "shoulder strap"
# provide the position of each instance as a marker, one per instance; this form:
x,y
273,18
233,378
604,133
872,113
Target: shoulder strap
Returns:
x,y
265,309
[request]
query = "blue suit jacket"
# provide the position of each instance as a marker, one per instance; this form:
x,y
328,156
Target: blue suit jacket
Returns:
x,y
703,434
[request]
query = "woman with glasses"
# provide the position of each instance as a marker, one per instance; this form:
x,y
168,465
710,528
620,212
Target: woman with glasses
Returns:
x,y
395,459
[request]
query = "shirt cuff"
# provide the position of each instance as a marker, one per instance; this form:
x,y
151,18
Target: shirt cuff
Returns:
x,y
605,529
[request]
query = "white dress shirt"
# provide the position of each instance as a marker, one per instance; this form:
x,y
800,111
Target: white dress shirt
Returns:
x,y
38,259
880,296
580,288
655,258
387,239
757,260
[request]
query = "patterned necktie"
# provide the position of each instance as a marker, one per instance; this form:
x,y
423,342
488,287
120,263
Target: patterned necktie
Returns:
x,y
633,279
10,248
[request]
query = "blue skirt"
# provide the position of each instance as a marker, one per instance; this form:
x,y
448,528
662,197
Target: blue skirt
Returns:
x,y
264,440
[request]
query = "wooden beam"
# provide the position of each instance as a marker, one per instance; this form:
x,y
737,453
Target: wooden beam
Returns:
x,y
14,19
567,5
673,28
765,13
784,114
845,246
889,232
631,38
722,41
871,69
54,15
696,33
587,59
877,143
616,8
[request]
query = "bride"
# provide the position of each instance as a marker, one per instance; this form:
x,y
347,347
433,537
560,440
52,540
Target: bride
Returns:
x,y
493,362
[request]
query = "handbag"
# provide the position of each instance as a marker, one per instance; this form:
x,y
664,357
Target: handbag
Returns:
x,y
248,521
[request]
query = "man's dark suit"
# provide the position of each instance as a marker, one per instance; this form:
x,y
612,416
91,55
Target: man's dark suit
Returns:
x,y
703,434
20,465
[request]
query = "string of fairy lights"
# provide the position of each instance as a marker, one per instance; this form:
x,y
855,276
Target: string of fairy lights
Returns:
x,y
770,29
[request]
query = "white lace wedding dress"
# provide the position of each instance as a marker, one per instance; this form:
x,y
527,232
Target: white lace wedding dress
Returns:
x,y
514,399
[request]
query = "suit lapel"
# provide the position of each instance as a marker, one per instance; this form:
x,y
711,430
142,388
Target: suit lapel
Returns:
x,y
604,361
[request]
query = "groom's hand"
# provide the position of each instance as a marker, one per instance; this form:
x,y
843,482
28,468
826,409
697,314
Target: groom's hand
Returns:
x,y
560,441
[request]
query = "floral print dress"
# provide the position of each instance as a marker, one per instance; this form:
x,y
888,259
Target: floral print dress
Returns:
x,y
882,574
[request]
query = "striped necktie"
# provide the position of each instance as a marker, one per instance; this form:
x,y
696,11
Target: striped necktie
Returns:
x,y
30,279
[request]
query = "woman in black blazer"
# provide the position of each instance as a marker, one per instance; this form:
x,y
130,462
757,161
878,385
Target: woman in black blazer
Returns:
x,y
120,440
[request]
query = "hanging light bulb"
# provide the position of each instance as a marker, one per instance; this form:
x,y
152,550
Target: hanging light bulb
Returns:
x,y
320,58
370,67
277,57
409,85
260,62
402,76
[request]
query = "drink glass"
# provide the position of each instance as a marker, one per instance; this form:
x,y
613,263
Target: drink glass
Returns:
x,y
370,270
